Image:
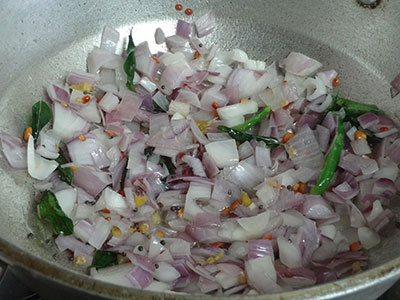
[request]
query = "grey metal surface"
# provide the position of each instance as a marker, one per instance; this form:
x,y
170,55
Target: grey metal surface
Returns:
x,y
42,40
13,289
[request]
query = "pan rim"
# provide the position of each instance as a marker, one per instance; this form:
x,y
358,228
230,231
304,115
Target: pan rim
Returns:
x,y
17,257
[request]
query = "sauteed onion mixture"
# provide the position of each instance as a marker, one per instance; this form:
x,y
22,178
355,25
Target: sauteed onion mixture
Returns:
x,y
197,169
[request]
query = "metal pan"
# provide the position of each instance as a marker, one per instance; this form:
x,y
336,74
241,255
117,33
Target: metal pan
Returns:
x,y
41,40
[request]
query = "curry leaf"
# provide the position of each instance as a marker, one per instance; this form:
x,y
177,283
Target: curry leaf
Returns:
x,y
242,137
130,63
41,115
50,210
103,259
65,174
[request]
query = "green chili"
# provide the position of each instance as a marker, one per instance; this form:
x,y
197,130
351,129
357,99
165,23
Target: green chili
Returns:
x,y
331,162
130,63
352,108
254,120
242,137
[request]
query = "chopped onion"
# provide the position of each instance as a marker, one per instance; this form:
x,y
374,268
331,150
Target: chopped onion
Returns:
x,y
57,93
175,42
109,102
91,180
304,149
289,253
210,167
327,77
187,96
345,191
79,77
115,274
139,277
360,147
387,169
259,248
88,152
357,219
113,200
166,273
368,237
184,29
159,36
230,156
129,106
237,110
195,164
109,39
299,64
67,200
204,25
245,175
315,207
255,226
384,187
248,82
38,167
196,191
98,58
323,137
67,124
368,119
395,85
246,150
83,230
213,96
261,274
14,151
187,208
174,74
228,275
101,232
315,89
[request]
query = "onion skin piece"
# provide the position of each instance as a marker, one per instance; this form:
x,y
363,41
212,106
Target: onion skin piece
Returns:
x,y
332,161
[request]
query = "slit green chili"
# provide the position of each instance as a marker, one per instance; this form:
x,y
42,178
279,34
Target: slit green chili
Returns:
x,y
254,120
242,137
331,162
352,108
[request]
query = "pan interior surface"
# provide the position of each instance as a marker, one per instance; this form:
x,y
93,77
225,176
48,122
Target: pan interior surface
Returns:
x,y
266,30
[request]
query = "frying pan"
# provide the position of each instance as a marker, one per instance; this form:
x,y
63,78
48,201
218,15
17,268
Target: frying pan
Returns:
x,y
42,40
